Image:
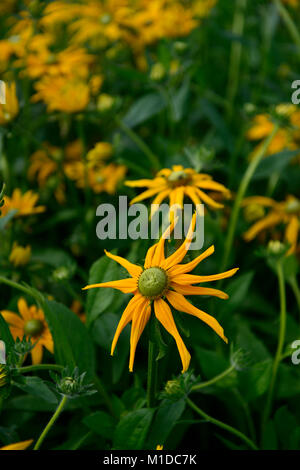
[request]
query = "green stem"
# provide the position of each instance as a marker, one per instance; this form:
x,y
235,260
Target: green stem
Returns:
x,y
140,144
213,380
15,285
51,422
294,285
222,425
105,396
151,377
37,367
241,193
281,338
293,30
235,54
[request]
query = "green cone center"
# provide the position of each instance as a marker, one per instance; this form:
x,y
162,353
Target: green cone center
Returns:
x,y
33,327
152,282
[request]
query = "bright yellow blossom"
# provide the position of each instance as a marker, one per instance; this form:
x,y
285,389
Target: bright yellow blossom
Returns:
x,y
24,204
20,255
164,279
286,212
177,183
31,322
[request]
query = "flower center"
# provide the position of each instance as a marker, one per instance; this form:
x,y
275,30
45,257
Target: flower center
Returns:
x,y
33,327
178,178
153,282
293,206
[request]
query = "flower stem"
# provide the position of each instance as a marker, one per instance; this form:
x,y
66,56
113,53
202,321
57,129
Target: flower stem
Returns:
x,y
212,381
139,143
151,377
294,285
37,367
281,338
51,422
105,396
293,30
222,425
241,193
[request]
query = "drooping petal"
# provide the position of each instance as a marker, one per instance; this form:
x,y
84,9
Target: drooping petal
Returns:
x,y
179,254
186,279
37,354
144,183
158,200
126,317
127,286
132,269
164,315
260,200
185,268
208,200
197,290
212,185
139,321
180,303
291,233
267,222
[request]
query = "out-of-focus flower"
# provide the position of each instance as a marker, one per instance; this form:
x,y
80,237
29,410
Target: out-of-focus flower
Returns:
x,y
25,203
100,152
69,95
31,322
157,71
164,278
10,109
20,255
159,447
105,102
23,445
286,212
176,183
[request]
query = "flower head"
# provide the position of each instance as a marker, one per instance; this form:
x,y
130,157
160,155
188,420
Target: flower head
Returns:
x,y
20,255
10,109
286,212
25,203
178,182
31,322
163,280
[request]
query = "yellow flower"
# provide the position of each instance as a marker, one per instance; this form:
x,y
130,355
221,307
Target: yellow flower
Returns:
x,y
30,322
105,102
101,151
10,109
286,212
164,279
18,445
25,203
66,94
159,447
20,255
177,183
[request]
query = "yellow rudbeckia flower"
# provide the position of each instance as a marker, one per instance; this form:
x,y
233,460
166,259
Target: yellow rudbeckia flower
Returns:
x,y
25,203
286,212
164,279
20,255
10,109
178,182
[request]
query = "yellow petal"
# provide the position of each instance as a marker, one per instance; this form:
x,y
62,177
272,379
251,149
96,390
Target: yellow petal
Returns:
x,y
197,290
37,354
186,279
180,303
23,309
261,200
185,268
126,318
164,315
139,321
13,319
179,254
149,256
18,445
127,286
148,193
212,185
208,200
269,221
291,233
145,183
133,269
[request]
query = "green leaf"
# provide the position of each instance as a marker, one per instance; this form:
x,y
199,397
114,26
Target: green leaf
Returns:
x,y
132,430
255,380
101,423
290,266
5,335
285,424
269,437
6,219
37,387
274,163
143,109
237,290
164,421
178,101
72,343
103,270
